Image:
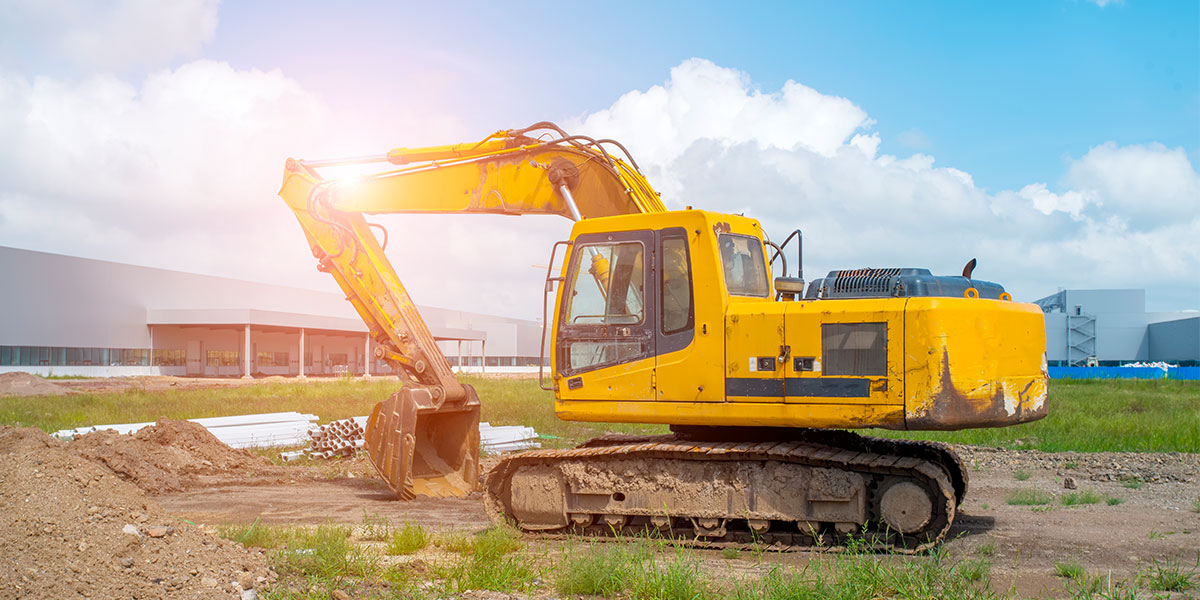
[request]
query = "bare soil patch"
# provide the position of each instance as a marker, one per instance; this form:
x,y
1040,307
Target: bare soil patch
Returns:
x,y
72,528
176,455
19,383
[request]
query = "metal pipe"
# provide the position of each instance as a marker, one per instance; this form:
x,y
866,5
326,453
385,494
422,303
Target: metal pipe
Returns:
x,y
353,160
570,200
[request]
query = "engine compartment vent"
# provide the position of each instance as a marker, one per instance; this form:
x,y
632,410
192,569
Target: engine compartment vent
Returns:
x,y
897,282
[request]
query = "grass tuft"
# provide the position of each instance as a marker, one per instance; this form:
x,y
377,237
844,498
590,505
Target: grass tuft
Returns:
x,y
254,535
1080,498
730,553
1069,570
1021,475
1029,497
376,528
1168,576
1132,482
409,538
988,548
1113,501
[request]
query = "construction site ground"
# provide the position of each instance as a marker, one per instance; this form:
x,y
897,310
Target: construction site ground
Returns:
x,y
162,495
1157,521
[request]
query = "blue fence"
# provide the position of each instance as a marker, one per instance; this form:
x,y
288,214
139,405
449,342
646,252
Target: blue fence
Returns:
x,y
1190,373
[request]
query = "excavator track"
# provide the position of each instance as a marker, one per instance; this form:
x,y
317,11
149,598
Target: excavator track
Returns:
x,y
817,490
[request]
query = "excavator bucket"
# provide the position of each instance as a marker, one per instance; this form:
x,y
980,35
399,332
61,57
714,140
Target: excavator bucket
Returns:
x,y
424,449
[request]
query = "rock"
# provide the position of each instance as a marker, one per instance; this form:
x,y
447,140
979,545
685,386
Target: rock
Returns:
x,y
340,595
157,532
208,582
1069,483
249,595
131,529
127,562
246,580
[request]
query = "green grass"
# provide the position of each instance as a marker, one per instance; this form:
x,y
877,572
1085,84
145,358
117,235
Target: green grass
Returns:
x,y
1196,506
376,528
254,535
1029,497
1098,416
409,538
1169,576
988,548
490,563
1069,570
1113,501
1085,415
730,553
1132,483
1081,498
1021,475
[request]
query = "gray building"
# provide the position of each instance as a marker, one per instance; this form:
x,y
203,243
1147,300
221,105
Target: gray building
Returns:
x,y
75,316
1112,327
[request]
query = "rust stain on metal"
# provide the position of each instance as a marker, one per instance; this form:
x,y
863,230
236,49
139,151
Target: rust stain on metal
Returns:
x,y
951,408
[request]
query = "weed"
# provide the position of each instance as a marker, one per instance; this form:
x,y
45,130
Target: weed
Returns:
x,y
1168,576
409,538
496,541
1069,570
1196,506
1132,482
1102,588
1021,475
501,573
988,548
1070,464
1042,509
730,553
596,571
376,528
325,553
977,569
1156,535
677,578
1029,497
254,535
1113,501
453,542
1080,498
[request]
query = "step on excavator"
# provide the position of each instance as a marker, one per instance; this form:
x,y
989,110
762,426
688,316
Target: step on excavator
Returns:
x,y
674,317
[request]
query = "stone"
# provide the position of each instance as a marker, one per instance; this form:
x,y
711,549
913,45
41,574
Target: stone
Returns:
x,y
1069,483
246,580
208,582
127,562
131,529
157,532
340,595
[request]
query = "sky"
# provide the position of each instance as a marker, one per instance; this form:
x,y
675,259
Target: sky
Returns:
x,y
1055,141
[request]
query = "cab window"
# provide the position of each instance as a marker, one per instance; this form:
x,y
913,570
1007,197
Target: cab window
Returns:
x,y
676,286
742,260
607,289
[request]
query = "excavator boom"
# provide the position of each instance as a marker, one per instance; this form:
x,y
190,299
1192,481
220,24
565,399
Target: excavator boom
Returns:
x,y
424,439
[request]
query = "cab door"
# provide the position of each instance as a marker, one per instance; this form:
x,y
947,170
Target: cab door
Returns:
x,y
605,341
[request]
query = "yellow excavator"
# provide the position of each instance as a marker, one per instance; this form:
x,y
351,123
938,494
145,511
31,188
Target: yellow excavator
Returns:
x,y
673,317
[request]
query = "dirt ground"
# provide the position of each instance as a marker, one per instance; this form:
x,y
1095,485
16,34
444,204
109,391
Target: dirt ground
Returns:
x,y
1153,522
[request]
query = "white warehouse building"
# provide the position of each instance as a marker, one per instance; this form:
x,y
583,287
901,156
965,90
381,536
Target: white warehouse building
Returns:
x,y
63,315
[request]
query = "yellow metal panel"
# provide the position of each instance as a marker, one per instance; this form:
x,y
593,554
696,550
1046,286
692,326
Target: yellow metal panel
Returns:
x,y
775,414
695,373
630,381
754,330
803,325
974,363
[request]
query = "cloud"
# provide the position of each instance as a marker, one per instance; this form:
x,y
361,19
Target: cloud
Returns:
x,y
1103,3
106,35
1121,216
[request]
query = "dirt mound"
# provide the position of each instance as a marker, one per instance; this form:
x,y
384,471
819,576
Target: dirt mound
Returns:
x,y
72,528
174,455
20,383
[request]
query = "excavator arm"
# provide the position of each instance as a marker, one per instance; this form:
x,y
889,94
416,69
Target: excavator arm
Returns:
x,y
424,439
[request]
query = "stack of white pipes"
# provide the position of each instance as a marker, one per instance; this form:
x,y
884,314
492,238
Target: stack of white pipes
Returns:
x,y
507,438
242,431
337,438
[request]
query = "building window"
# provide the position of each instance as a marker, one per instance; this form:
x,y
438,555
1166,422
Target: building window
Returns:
x,y
222,358
170,358
272,359
338,359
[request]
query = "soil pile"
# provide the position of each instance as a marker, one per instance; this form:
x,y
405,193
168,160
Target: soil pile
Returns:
x,y
74,529
19,383
173,455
